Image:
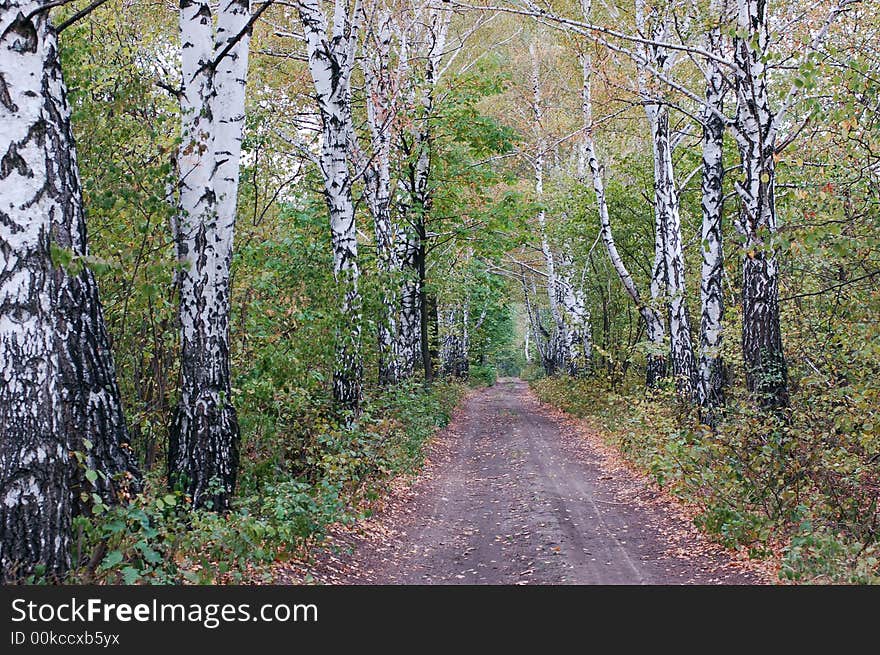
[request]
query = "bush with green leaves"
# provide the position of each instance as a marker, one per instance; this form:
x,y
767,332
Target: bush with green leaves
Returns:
x,y
761,481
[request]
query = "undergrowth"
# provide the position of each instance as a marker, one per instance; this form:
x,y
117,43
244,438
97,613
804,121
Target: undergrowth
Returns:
x,y
304,468
800,484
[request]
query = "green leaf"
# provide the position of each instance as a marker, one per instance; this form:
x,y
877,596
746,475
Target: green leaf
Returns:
x,y
111,559
130,575
91,476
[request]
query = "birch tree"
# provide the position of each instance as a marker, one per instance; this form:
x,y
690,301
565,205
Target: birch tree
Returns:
x,y
204,440
656,360
766,370
455,340
668,279
756,128
59,395
331,56
425,51
395,323
576,317
535,325
560,354
34,471
710,379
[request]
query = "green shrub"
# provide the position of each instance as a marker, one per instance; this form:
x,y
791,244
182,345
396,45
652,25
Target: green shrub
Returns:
x,y
482,375
759,479
303,473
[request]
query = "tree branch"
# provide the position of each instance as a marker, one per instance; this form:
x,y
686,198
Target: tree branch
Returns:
x,y
82,13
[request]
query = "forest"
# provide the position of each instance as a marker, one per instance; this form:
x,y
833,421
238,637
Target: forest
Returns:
x,y
255,256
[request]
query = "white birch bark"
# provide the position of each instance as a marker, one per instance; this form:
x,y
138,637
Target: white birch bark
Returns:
x,y
560,348
656,361
331,53
34,461
668,281
379,88
710,385
534,324
425,47
455,340
204,441
576,317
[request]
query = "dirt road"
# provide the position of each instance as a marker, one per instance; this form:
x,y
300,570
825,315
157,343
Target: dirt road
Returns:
x,y
514,494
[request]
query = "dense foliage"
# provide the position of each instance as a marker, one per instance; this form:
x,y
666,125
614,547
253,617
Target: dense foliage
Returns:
x,y
513,266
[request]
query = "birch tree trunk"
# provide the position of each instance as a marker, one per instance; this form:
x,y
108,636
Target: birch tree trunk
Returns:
x,y
409,331
380,115
668,281
656,361
204,440
455,341
331,60
560,347
34,453
534,326
576,317
92,411
766,371
710,385
428,46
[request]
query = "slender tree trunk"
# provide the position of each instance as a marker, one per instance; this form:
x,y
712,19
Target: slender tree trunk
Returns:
x,y
710,386
433,329
454,341
430,42
407,236
656,361
576,318
380,116
331,59
35,506
425,311
766,371
410,338
204,440
560,348
534,324
669,222
527,350
668,281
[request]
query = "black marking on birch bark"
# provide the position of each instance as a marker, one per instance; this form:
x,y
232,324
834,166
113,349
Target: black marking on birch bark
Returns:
x,y
5,98
26,31
34,458
766,369
92,408
204,437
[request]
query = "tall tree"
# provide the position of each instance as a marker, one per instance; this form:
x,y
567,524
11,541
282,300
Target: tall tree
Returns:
x,y
34,454
710,379
668,280
60,396
756,132
204,441
656,360
380,92
559,347
331,61
425,49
